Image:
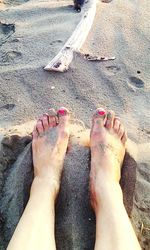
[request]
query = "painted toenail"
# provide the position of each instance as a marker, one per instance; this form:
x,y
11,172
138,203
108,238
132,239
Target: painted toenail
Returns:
x,y
101,112
62,112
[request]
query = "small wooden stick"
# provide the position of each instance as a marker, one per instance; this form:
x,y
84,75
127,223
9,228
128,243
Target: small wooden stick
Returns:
x,y
62,60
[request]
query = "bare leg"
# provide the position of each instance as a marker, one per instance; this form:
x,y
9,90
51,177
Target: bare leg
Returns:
x,y
35,230
113,228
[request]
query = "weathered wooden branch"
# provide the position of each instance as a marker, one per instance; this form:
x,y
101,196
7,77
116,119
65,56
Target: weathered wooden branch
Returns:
x,y
98,59
63,59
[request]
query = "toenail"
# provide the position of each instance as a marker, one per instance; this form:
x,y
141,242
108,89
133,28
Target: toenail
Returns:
x,y
109,115
101,112
62,112
39,121
51,112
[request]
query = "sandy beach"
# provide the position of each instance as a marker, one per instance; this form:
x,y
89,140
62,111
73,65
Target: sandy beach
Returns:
x,y
32,33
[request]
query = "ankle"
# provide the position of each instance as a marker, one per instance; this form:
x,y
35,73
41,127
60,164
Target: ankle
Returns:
x,y
105,195
45,185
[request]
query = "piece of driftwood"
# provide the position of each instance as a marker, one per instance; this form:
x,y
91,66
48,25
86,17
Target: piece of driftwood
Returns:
x,y
97,58
62,60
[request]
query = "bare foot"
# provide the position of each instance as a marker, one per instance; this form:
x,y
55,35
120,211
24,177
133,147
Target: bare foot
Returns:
x,y
108,138
49,145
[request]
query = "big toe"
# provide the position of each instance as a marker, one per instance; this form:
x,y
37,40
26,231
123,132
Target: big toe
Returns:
x,y
63,121
98,119
63,129
63,117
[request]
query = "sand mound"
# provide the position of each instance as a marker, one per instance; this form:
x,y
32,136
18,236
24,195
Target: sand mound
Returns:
x,y
75,221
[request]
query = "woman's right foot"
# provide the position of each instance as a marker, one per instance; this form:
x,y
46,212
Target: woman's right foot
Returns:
x,y
107,141
49,146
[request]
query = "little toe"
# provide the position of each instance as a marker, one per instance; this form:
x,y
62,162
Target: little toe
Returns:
x,y
63,117
124,137
116,124
98,119
121,131
34,133
110,119
52,118
39,127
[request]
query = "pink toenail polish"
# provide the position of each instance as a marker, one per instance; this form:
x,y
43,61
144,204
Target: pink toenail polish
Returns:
x,y
61,112
101,112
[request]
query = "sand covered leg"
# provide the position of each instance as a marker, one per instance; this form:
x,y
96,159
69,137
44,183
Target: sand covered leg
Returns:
x,y
113,227
35,229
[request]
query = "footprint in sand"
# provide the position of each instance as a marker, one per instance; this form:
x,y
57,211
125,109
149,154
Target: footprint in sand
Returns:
x,y
10,56
8,106
136,82
112,70
6,30
14,2
106,1
57,41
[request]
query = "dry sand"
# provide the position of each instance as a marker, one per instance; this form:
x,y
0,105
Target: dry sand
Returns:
x,y
31,33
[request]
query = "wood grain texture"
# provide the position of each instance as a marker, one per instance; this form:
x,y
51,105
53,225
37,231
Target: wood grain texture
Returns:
x,y
61,62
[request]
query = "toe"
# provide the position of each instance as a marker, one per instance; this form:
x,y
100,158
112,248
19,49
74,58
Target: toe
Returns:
x,y
124,137
45,121
34,133
63,116
52,118
98,118
63,129
110,119
39,127
121,131
116,124
63,124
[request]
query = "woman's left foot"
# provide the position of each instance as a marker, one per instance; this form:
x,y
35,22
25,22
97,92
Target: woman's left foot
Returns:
x,y
108,139
49,145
